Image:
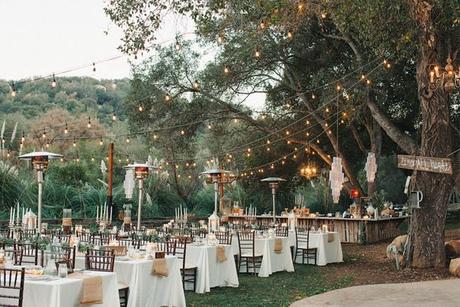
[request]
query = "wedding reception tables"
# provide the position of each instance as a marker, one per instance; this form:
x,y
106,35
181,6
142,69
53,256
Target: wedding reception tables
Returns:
x,y
271,261
329,248
146,289
210,271
52,291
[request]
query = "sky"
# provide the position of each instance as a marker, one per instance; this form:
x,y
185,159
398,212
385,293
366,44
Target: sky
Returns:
x,y
42,37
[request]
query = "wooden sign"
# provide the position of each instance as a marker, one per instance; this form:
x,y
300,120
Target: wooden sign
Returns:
x,y
426,164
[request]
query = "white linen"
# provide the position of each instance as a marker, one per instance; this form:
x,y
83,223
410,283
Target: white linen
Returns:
x,y
210,272
146,289
66,292
271,261
327,252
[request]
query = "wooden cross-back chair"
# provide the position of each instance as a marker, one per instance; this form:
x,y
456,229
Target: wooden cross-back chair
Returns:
x,y
247,252
302,246
12,280
188,272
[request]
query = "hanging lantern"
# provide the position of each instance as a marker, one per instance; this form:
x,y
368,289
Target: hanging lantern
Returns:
x,y
371,167
354,194
336,178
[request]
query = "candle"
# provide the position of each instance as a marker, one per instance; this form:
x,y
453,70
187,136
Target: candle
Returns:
x,y
17,217
12,221
11,213
97,213
110,216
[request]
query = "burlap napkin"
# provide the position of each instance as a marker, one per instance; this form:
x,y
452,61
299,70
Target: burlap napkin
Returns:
x,y
160,267
330,237
92,288
221,254
278,245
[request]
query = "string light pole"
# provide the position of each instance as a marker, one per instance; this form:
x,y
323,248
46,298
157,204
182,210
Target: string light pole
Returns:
x,y
40,163
273,183
141,172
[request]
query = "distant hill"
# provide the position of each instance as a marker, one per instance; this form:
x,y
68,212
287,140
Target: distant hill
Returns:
x,y
74,94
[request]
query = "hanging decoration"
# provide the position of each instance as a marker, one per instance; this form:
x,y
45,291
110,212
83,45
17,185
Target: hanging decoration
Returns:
x,y
103,167
336,178
371,167
128,184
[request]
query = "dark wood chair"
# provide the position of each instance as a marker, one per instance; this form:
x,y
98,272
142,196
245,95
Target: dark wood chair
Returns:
x,y
16,256
224,237
30,254
27,234
169,247
247,252
281,231
99,240
13,282
197,233
302,246
84,237
127,243
102,263
188,272
68,255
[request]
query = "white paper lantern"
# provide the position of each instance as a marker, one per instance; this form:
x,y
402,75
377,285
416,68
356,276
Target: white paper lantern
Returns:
x,y
336,178
371,167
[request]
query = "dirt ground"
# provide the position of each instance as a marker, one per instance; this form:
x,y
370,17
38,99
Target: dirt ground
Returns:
x,y
368,264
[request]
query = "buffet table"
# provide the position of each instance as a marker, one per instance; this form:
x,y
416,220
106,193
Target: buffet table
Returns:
x,y
350,230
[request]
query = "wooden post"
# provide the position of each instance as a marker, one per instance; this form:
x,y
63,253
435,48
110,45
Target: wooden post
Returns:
x,y
110,179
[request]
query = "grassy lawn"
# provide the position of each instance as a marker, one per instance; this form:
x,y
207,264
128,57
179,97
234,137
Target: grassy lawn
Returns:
x,y
280,289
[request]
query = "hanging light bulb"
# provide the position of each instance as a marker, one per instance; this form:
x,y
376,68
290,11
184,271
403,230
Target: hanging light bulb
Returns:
x,y
262,24
313,96
47,144
8,154
74,143
92,159
220,38
140,108
323,15
62,159
167,97
209,126
13,89
127,139
78,159
44,134
101,142
94,67
268,142
300,6
114,117
182,132
196,85
226,70
177,46
257,53
23,138
66,129
53,83
89,122
338,87
289,35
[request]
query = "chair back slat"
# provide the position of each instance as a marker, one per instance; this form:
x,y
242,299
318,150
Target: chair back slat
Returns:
x,y
281,231
246,242
224,237
100,263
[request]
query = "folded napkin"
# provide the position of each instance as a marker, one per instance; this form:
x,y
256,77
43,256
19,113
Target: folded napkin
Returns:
x,y
66,221
221,254
92,288
160,267
278,245
330,237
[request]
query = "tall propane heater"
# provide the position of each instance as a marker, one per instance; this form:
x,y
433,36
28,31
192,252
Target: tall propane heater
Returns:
x,y
273,183
141,172
39,161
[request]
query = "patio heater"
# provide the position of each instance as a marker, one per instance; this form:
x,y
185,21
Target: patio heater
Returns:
x,y
217,177
141,172
39,161
273,183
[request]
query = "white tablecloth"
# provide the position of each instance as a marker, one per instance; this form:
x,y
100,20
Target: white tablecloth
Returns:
x,y
327,252
146,289
66,292
210,272
271,261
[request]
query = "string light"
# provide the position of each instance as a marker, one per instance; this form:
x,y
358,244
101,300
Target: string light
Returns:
x,y
140,108
196,85
53,83
62,159
23,138
92,159
209,126
8,153
66,129
300,6
89,122
177,46
101,142
47,144
220,38
323,15
313,96
289,35
127,139
268,142
74,143
338,87
262,24
167,97
114,117
226,70
368,81
182,132
44,134
94,67
327,110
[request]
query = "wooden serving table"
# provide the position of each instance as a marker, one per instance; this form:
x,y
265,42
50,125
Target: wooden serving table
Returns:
x,y
350,230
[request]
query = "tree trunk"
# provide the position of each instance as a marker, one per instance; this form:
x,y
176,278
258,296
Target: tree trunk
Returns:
x,y
428,222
